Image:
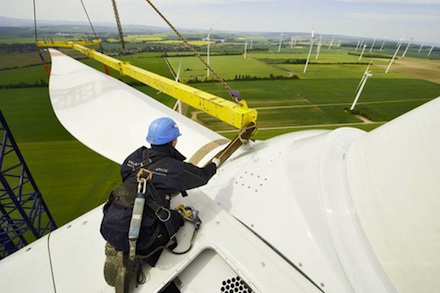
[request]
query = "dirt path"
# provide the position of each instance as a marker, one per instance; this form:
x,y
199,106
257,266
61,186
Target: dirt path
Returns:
x,y
420,68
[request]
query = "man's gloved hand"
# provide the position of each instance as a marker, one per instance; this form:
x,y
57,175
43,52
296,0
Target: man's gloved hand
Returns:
x,y
216,161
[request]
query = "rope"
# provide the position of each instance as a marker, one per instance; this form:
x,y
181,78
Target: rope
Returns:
x,y
35,23
36,40
91,25
233,93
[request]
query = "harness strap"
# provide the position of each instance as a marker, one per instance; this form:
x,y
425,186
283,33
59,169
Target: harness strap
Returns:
x,y
163,214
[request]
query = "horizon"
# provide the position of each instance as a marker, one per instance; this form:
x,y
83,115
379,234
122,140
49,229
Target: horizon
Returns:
x,y
417,21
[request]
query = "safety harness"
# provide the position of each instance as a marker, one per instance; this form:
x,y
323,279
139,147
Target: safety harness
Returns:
x,y
144,194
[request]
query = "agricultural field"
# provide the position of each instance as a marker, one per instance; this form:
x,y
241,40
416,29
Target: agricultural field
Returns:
x,y
318,97
73,179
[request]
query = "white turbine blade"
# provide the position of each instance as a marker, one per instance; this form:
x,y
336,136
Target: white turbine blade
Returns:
x,y
109,116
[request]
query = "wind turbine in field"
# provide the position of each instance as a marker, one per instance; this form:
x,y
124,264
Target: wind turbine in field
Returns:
x,y
357,46
363,50
281,42
245,50
178,105
395,53
383,43
318,49
430,50
310,50
372,45
407,47
208,50
361,85
331,42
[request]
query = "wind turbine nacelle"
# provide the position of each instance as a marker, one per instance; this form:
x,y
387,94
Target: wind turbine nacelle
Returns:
x,y
358,204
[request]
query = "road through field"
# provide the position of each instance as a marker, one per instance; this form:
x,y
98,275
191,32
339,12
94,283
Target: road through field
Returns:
x,y
362,121
338,104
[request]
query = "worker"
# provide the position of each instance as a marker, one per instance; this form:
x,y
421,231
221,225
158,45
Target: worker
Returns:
x,y
170,175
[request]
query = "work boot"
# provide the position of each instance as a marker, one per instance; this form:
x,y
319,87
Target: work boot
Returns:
x,y
121,284
110,265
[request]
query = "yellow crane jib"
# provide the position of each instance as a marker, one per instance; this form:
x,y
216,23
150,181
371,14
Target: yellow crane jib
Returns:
x,y
68,44
229,112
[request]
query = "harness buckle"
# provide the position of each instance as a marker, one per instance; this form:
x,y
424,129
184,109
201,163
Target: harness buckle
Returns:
x,y
159,217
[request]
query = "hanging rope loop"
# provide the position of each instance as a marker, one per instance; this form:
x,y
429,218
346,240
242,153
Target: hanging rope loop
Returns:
x,y
234,94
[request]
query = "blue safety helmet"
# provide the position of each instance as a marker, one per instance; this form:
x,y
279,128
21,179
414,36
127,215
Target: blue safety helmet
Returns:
x,y
162,131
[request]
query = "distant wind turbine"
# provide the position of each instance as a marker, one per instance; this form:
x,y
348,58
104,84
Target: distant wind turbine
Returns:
x,y
178,104
383,43
363,50
420,49
394,56
430,51
208,50
310,51
407,47
361,85
357,46
245,50
318,49
331,42
372,45
281,41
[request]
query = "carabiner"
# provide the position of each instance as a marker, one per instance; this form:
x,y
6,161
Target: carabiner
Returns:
x,y
144,190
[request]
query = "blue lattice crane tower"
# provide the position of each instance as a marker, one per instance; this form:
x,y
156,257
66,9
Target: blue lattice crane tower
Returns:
x,y
24,215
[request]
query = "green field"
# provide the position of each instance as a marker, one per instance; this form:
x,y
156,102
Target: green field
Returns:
x,y
74,179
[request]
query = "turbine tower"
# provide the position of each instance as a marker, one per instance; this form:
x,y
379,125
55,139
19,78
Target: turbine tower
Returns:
x,y
207,50
357,46
178,105
395,53
407,47
310,51
372,45
281,41
430,50
361,85
245,50
383,43
362,53
331,42
318,49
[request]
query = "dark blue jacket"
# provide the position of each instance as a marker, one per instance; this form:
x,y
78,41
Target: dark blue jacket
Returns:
x,y
170,175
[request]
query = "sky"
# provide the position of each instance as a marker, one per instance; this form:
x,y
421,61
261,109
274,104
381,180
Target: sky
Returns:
x,y
418,20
